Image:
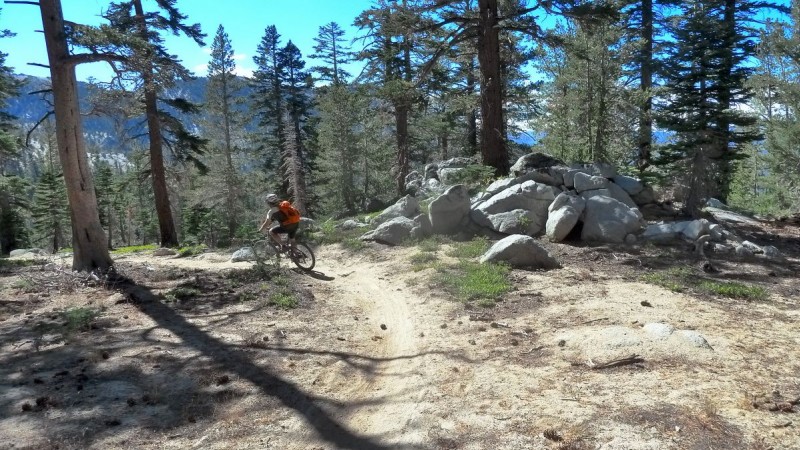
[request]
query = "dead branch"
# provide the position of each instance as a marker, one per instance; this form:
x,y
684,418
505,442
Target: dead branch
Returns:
x,y
35,126
633,359
594,320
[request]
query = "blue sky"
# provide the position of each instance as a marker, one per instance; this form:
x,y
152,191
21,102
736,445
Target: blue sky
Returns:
x,y
244,21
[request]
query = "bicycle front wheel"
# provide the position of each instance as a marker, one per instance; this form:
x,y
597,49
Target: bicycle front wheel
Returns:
x,y
303,257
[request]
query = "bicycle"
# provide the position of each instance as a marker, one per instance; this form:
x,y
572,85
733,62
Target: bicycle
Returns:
x,y
301,255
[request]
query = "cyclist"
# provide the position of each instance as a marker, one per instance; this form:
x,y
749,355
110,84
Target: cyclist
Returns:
x,y
287,217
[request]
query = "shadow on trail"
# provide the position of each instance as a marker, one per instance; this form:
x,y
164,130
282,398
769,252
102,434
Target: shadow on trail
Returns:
x,y
237,361
315,274
367,364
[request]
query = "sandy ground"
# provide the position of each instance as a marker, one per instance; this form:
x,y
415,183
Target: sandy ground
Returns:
x,y
375,357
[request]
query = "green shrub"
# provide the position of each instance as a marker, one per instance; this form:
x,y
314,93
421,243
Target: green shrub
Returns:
x,y
134,249
191,250
283,299
734,290
182,293
330,234
430,244
663,280
25,285
79,319
469,280
469,249
422,261
681,279
474,176
8,264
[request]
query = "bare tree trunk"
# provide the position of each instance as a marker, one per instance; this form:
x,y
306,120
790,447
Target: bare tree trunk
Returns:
x,y
646,85
493,147
721,188
169,235
293,168
401,110
472,117
88,238
230,179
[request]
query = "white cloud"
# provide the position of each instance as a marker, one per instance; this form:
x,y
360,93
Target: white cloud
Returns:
x,y
244,72
239,57
201,70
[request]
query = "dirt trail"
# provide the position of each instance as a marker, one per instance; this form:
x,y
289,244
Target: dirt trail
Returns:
x,y
391,390
385,396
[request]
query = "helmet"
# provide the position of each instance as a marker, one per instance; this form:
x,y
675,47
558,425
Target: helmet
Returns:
x,y
272,199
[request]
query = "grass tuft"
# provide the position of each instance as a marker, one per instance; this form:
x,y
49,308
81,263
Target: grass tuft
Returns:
x,y
734,290
134,249
472,281
469,249
191,250
182,293
681,279
283,299
79,319
422,261
330,234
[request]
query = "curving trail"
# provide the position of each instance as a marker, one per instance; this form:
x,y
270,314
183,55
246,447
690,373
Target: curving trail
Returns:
x,y
389,394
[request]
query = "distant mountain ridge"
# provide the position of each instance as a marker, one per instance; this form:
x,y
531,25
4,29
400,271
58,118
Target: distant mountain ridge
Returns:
x,y
99,131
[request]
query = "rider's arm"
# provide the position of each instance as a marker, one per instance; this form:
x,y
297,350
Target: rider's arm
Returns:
x,y
267,221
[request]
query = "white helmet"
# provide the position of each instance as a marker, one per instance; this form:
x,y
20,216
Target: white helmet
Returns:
x,y
272,199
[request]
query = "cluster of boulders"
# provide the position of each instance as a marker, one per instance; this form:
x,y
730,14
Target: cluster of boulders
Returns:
x,y
708,236
544,196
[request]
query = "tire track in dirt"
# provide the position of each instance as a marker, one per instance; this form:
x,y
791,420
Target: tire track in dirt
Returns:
x,y
387,396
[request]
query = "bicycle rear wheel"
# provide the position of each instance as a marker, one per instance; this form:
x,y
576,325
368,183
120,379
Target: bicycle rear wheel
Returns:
x,y
302,256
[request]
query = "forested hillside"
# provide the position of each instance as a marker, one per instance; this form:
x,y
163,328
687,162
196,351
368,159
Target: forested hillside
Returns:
x,y
179,160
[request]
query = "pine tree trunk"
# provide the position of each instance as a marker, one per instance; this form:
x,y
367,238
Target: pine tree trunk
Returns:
x,y
401,111
166,224
88,238
232,184
493,147
472,117
722,161
646,84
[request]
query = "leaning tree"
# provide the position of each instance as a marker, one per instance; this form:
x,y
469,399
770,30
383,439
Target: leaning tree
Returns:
x,y
90,251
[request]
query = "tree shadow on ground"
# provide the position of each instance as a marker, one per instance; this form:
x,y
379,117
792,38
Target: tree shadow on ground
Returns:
x,y
238,362
71,390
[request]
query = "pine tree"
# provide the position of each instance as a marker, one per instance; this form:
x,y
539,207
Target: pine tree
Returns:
x,y
338,149
158,69
107,198
484,26
296,161
13,233
777,99
49,203
332,50
268,98
221,94
587,107
89,243
706,73
389,55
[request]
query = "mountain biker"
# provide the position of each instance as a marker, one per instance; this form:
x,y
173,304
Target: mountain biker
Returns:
x,y
287,217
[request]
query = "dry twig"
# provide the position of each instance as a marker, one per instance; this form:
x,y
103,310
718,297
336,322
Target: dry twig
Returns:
x,y
633,359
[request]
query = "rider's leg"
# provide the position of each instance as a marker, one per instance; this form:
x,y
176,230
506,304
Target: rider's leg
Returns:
x,y
273,234
292,232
